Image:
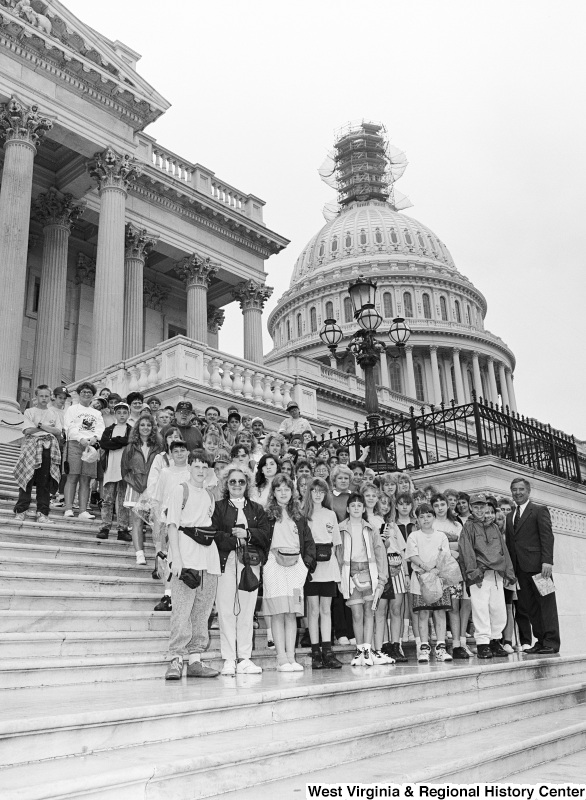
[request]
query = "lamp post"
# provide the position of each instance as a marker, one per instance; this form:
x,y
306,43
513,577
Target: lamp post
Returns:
x,y
364,345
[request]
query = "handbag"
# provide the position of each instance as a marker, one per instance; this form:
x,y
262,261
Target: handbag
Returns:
x,y
249,581
323,552
286,557
190,577
249,554
203,536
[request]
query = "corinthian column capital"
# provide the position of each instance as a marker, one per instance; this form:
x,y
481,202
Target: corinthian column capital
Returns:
x,y
139,242
55,208
21,123
215,319
113,170
154,295
195,270
252,294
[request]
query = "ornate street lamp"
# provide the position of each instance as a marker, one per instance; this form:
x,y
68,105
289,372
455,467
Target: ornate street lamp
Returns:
x,y
364,345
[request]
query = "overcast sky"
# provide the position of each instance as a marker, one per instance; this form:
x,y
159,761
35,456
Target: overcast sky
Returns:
x,y
486,98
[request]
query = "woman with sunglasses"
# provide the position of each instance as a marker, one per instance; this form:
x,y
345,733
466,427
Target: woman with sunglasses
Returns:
x,y
239,523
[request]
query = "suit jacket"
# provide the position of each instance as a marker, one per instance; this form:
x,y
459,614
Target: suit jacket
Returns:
x,y
532,544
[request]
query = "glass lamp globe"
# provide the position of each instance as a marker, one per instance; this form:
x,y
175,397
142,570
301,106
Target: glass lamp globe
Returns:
x,y
369,319
331,333
399,332
362,293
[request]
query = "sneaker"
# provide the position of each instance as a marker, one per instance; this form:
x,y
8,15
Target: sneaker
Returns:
x,y
379,658
296,666
68,513
397,654
270,644
229,668
175,669
330,661
103,533
85,515
43,519
460,653
305,641
483,651
470,652
352,640
317,661
358,660
344,641
286,667
497,649
20,517
94,498
124,536
140,560
248,667
424,651
508,648
441,654
525,647
57,503
215,626
368,661
199,670
164,604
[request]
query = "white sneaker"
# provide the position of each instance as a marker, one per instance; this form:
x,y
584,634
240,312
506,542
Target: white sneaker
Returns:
x,y
296,666
343,640
526,647
20,517
43,520
68,513
470,653
229,668
287,667
352,640
85,515
380,658
508,648
423,656
358,660
140,560
248,667
441,654
367,660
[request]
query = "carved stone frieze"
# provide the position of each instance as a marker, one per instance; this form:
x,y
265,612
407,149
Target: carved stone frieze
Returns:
x,y
114,170
252,294
215,319
55,208
196,270
139,242
22,123
85,271
154,295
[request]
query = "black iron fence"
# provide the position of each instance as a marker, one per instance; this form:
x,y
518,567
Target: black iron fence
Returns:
x,y
451,433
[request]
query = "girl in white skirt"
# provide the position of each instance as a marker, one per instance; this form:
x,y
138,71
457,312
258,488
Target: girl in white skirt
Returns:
x,y
291,557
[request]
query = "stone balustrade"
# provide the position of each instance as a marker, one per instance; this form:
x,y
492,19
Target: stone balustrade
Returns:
x,y
171,164
228,195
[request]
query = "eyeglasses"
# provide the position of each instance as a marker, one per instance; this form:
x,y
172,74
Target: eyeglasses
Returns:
x,y
239,482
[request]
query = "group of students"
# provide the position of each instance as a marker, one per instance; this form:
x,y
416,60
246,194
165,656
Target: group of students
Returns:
x,y
234,510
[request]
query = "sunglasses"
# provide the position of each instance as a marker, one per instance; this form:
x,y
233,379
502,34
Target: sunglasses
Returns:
x,y
239,482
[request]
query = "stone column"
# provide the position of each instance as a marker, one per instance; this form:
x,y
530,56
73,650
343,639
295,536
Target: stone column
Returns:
x,y
384,371
215,322
465,385
476,374
437,387
196,273
504,388
21,128
410,371
511,389
139,243
56,212
458,375
252,296
492,380
113,173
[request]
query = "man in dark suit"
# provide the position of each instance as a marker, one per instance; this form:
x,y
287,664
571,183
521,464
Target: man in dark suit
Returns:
x,y
530,544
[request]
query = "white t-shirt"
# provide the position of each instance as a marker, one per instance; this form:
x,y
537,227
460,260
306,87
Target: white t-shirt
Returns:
x,y
197,512
48,416
83,422
358,552
427,546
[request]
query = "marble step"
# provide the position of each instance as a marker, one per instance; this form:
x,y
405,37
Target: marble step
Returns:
x,y
75,619
108,555
198,765
42,644
113,568
61,535
138,581
43,599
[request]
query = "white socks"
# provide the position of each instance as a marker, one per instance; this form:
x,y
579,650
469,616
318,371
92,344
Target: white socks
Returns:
x,y
193,657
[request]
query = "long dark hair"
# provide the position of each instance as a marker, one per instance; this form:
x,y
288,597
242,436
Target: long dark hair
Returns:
x,y
307,506
153,437
274,510
450,514
259,478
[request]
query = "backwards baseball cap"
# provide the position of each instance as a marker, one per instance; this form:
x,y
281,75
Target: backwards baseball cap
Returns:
x,y
222,457
184,405
477,498
61,390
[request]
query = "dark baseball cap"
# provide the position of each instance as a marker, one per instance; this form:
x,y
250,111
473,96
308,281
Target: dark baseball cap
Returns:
x,y
184,405
477,499
61,390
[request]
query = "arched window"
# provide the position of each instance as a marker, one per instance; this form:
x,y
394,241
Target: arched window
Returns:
x,y
329,310
419,392
334,244
313,319
348,241
387,305
395,376
444,308
322,249
468,318
394,237
378,237
426,306
408,238
299,326
362,236
420,240
458,312
408,304
348,314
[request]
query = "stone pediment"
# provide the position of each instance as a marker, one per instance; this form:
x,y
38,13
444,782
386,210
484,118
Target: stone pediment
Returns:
x,y
49,31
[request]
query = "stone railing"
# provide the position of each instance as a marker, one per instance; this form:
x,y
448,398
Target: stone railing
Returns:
x,y
171,164
228,195
181,363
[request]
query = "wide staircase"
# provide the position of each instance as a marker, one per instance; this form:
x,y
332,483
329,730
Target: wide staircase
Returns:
x,y
85,711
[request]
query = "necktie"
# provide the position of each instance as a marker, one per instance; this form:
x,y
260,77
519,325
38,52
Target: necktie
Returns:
x,y
517,518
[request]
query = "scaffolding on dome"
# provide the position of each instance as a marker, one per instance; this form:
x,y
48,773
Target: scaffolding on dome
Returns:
x,y
363,166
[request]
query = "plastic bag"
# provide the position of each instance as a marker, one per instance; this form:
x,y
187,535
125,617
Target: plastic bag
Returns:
x,y
145,508
448,569
90,455
431,587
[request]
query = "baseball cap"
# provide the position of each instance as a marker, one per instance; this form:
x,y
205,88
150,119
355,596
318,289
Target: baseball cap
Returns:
x,y
291,405
258,419
477,498
234,415
184,405
121,404
154,398
222,457
61,390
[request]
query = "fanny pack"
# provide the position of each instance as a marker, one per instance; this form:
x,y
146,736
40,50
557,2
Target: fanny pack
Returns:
x,y
203,536
323,552
190,577
286,557
249,555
